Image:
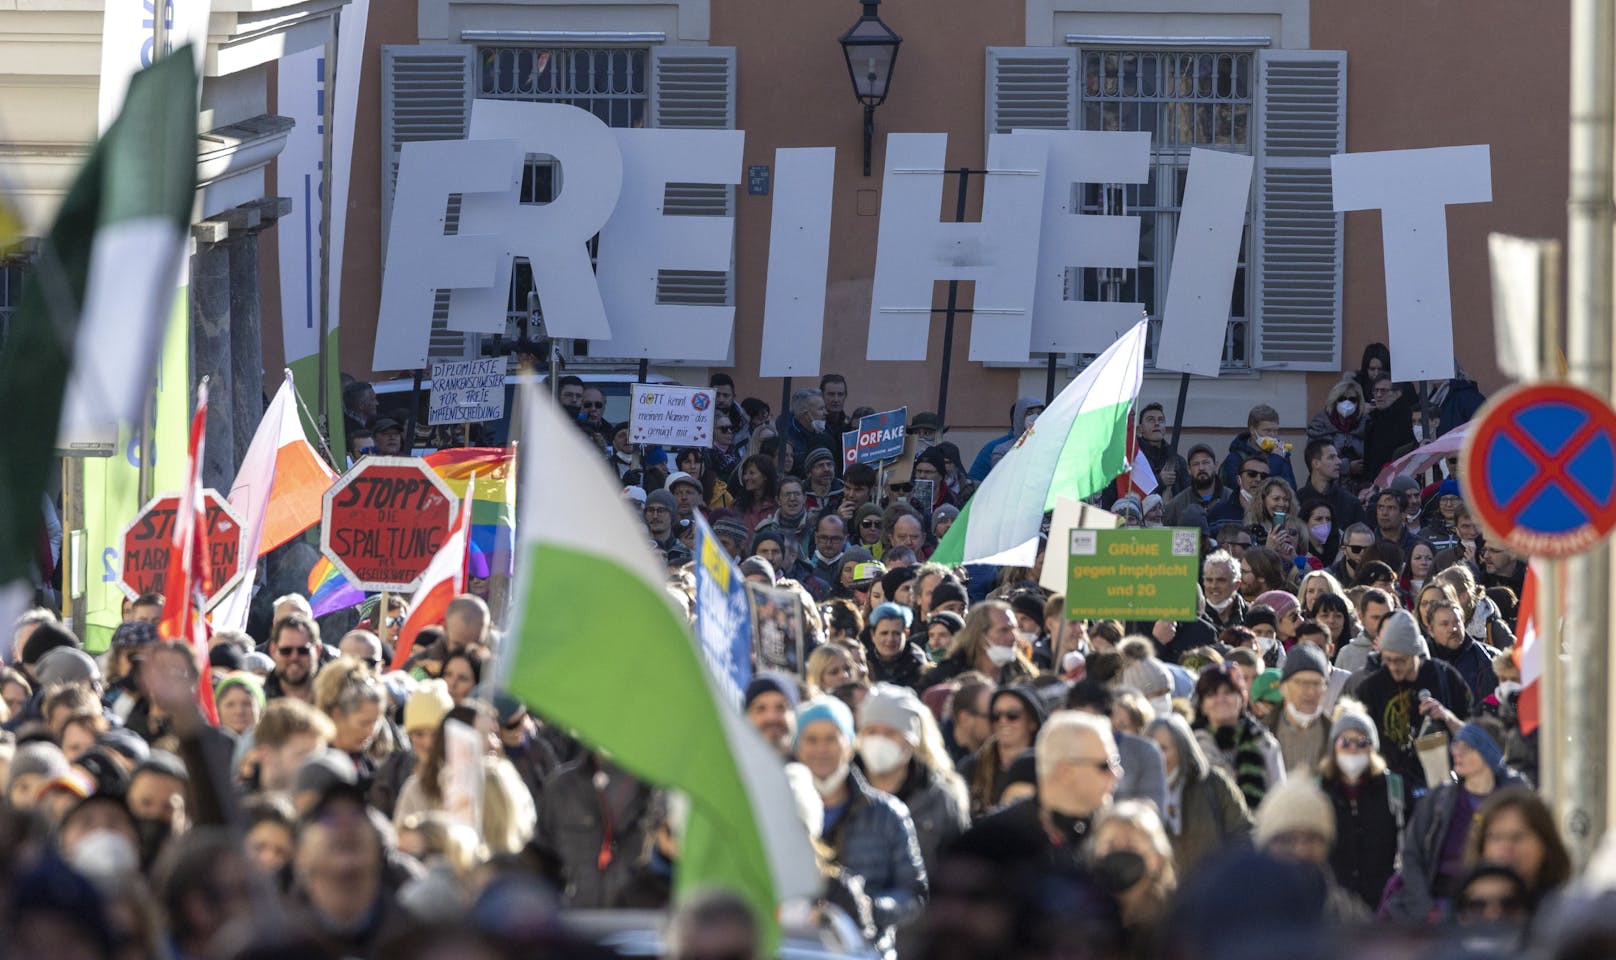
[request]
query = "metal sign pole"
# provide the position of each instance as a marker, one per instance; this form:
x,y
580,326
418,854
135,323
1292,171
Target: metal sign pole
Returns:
x,y
1583,810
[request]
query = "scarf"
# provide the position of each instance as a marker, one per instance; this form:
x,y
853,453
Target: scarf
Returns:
x,y
1241,745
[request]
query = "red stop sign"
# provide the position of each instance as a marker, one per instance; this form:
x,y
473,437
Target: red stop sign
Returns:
x,y
148,540
384,520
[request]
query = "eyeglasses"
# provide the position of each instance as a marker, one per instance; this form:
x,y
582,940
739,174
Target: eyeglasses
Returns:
x,y
1110,765
307,650
656,510
1255,474
1014,716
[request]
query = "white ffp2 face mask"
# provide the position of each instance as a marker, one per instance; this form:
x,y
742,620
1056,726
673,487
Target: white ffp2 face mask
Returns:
x,y
881,755
1001,655
1352,765
829,785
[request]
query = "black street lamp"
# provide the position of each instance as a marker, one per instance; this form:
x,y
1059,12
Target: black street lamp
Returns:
x,y
871,49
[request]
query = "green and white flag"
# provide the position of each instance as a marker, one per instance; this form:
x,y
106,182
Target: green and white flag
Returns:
x,y
600,649
82,349
1078,445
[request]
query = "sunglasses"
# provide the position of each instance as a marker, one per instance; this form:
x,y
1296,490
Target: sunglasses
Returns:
x,y
1354,743
1354,550
1111,765
901,487
1254,474
873,524
1014,716
303,651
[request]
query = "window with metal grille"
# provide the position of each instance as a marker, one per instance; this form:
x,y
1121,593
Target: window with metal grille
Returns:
x,y
11,279
608,82
1183,99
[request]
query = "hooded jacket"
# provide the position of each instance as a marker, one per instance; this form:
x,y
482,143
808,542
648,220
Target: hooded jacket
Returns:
x,y
1414,900
1460,399
1202,799
1244,446
996,448
1474,661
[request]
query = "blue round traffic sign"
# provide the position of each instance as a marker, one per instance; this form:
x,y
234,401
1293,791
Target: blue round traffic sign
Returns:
x,y
1540,469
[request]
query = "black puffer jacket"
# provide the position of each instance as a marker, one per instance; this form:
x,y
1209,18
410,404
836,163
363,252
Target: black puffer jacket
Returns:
x,y
907,669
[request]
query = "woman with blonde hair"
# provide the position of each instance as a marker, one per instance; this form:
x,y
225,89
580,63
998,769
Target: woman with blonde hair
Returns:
x,y
508,813
1482,620
1128,842
901,753
1315,584
829,667
1342,423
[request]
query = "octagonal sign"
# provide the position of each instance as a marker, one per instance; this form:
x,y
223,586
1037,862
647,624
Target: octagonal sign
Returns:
x,y
383,522
147,541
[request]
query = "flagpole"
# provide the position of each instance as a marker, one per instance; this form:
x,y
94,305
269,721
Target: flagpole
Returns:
x,y
148,421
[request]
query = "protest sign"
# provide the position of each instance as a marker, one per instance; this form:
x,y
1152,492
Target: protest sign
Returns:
x,y
670,416
463,787
776,629
384,520
723,621
879,437
467,391
1070,515
148,540
1132,574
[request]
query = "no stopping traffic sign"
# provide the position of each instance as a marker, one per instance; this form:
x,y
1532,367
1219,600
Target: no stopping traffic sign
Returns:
x,y
1540,469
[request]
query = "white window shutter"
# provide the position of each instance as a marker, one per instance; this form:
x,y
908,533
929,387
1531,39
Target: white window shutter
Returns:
x,y
426,95
693,88
1302,121
1031,88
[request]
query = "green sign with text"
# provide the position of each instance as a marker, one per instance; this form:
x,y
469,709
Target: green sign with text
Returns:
x,y
1133,574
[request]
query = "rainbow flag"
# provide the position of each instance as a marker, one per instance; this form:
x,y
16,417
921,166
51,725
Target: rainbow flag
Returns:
x,y
493,502
330,591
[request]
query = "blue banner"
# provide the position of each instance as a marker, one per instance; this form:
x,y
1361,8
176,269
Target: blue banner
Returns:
x,y
880,435
723,615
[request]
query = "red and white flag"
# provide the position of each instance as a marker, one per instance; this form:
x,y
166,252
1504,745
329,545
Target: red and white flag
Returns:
x,y
185,584
444,579
277,491
1529,654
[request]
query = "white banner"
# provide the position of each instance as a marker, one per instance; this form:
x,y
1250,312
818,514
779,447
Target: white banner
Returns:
x,y
467,391
1412,190
670,416
799,258
343,88
1205,254
300,89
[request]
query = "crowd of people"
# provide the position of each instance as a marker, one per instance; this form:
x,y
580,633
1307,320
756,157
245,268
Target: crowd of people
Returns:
x,y
1328,757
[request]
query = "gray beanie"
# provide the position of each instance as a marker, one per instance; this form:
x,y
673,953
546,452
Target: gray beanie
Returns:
x,y
1304,657
1400,634
1149,677
38,757
66,665
662,498
759,567
889,705
1351,721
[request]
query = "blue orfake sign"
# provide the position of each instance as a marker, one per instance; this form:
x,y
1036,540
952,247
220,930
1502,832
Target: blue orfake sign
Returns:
x,y
879,437
723,615
1540,469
